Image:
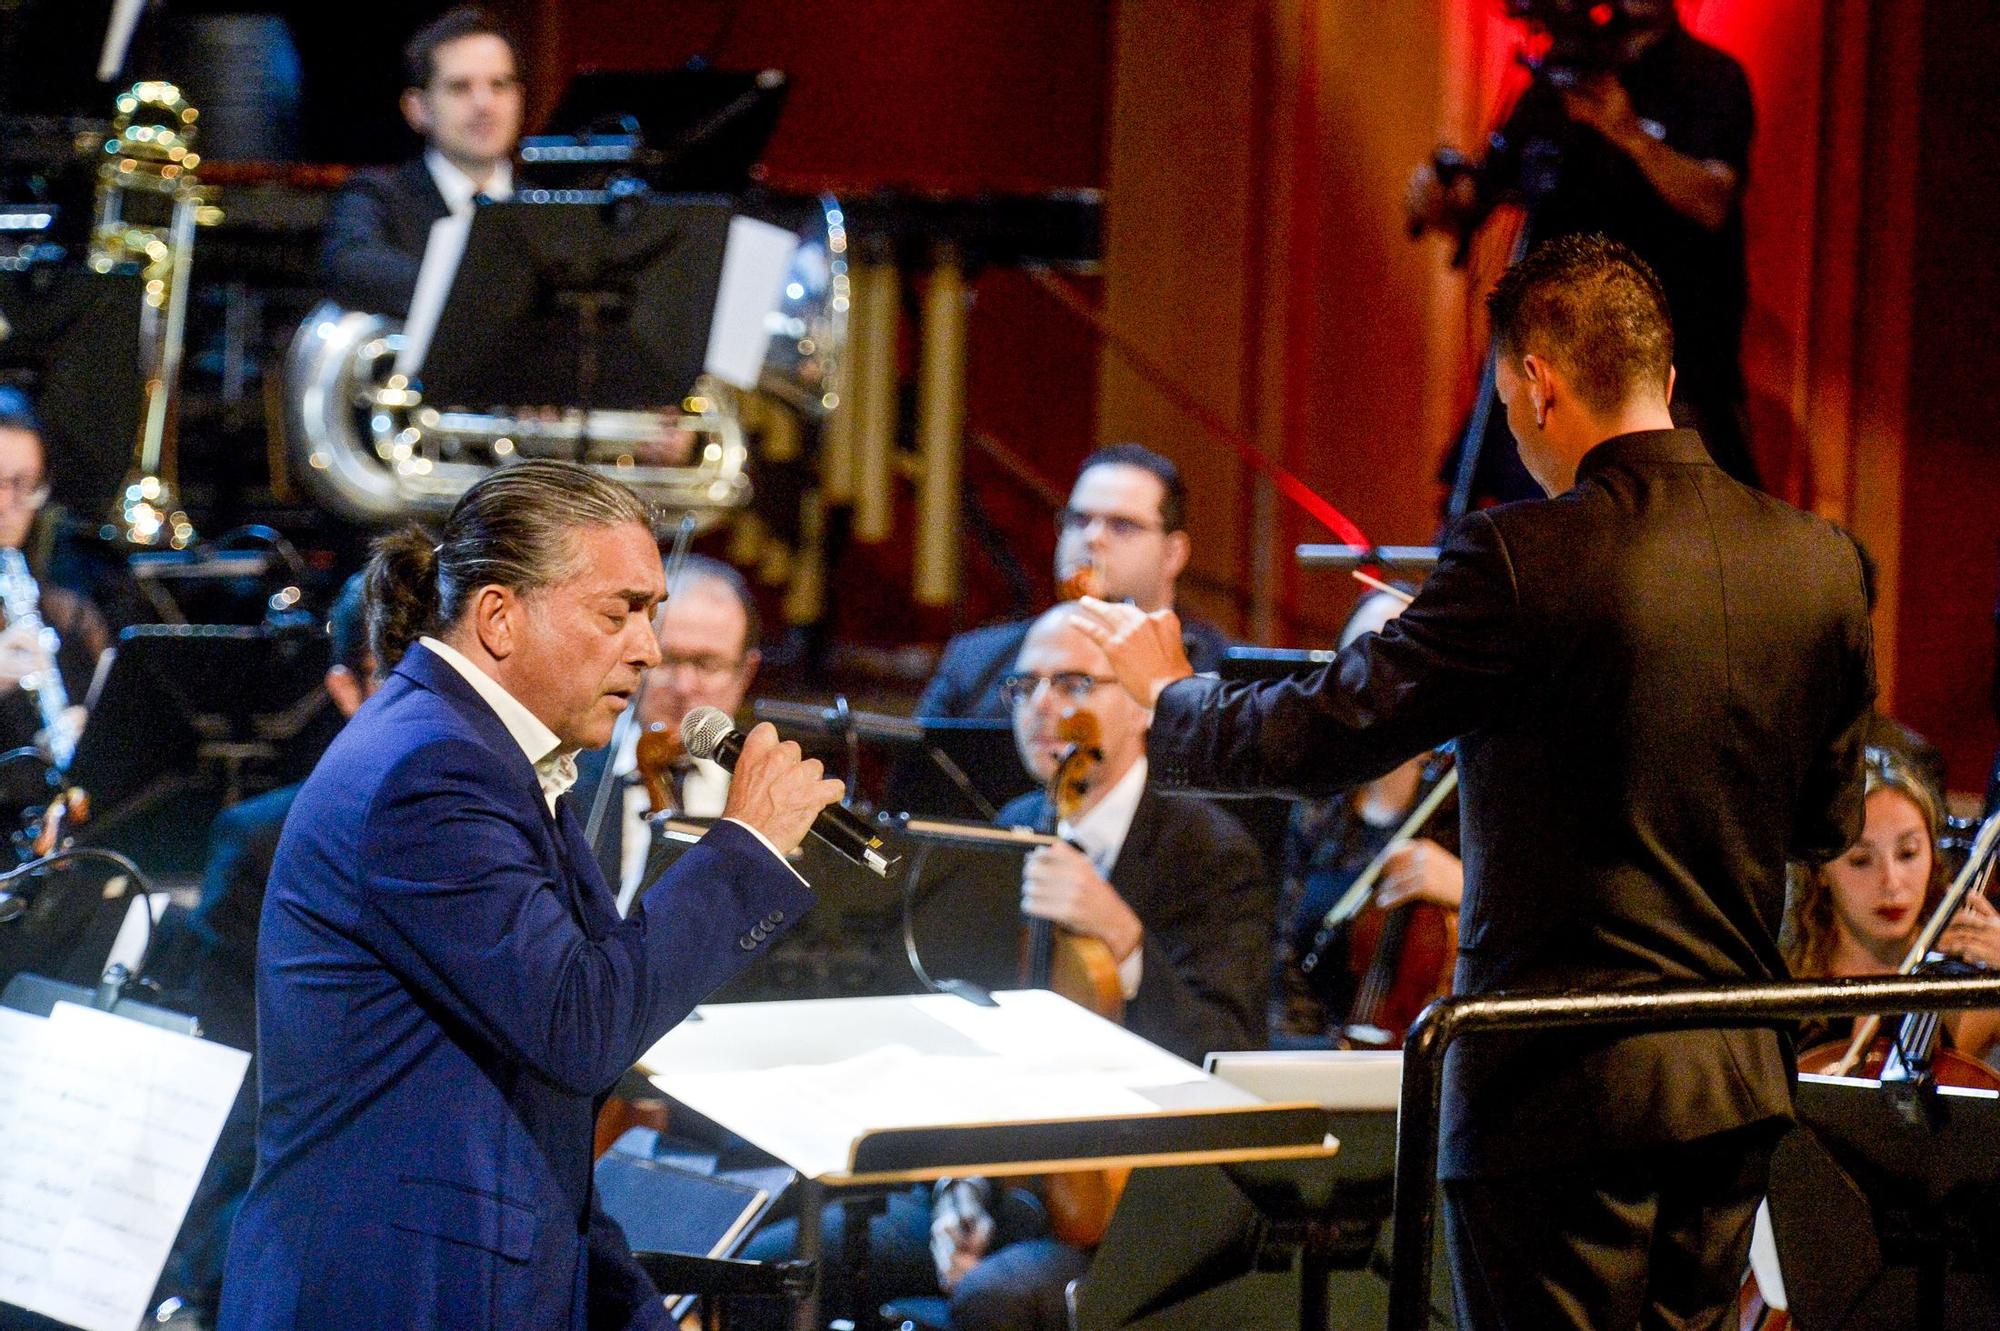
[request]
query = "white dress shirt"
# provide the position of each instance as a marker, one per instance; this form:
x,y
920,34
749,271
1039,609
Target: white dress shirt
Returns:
x,y
1100,832
555,767
458,188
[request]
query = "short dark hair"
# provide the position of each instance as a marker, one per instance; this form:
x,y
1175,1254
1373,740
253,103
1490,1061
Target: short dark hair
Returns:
x,y
17,412
420,52
1594,308
347,627
1173,490
697,569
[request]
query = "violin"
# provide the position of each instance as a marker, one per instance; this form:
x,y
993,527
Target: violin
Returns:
x,y
1398,958
1079,582
659,748
1081,969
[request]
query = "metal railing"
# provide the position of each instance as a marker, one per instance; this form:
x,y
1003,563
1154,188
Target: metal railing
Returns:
x,y
1652,1009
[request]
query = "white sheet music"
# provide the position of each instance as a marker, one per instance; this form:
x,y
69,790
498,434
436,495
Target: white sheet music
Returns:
x,y
754,264
107,1126
438,271
805,1079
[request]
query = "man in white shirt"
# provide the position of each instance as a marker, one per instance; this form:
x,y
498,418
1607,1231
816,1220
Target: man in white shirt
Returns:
x,y
464,97
1174,888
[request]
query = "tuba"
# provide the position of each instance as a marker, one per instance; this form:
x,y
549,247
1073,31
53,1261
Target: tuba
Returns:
x,y
364,442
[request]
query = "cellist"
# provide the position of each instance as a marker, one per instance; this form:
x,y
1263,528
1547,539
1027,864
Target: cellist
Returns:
x,y
1326,969
1176,890
1856,914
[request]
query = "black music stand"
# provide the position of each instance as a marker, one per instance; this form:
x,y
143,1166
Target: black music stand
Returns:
x,y
177,694
581,304
1885,1204
954,763
73,344
703,129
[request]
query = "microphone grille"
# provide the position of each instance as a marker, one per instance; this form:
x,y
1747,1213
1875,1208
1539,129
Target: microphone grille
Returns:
x,y
703,730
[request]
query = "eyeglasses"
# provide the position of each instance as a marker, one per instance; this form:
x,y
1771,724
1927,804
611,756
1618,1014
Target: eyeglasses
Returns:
x,y
1073,685
27,490
1120,527
703,666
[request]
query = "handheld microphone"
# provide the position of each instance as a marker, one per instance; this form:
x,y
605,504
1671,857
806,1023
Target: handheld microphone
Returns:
x,y
707,732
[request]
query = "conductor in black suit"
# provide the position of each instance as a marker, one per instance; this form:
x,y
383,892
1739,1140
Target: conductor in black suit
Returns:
x,y
1126,519
464,97
1659,680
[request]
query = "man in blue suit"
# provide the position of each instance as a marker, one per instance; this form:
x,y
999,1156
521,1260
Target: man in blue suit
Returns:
x,y
445,988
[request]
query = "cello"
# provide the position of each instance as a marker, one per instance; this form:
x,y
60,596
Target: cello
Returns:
x,y
1398,958
1081,969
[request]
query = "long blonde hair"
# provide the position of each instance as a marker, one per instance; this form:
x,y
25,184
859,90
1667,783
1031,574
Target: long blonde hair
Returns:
x,y
1807,938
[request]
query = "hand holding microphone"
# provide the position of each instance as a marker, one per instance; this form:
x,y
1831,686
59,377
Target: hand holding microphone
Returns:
x,y
780,793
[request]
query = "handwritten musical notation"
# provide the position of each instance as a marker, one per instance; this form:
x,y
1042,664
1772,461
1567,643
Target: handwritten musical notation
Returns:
x,y
109,1124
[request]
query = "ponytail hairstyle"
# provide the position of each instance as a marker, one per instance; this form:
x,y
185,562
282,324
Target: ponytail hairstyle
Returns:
x,y
515,528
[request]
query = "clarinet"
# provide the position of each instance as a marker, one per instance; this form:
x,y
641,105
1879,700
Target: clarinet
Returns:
x,y
22,601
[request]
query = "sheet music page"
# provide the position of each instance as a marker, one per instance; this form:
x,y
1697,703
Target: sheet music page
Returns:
x,y
754,265
442,252
865,1065
108,1125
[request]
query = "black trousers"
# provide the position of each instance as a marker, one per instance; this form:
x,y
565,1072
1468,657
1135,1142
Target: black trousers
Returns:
x,y
1652,1240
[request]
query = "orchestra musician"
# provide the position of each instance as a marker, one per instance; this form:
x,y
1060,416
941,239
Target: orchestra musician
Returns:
x,y
1191,964
1329,844
463,96
81,632
1126,519
445,988
1857,913
1659,680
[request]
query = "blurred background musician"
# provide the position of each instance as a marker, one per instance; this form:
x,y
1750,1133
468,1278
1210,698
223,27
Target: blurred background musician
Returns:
x,y
1857,913
1328,844
709,632
1191,964
1126,518
209,967
1635,129
81,631
464,97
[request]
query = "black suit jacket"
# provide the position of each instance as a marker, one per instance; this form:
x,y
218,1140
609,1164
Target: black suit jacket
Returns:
x,y
375,235
967,682
1659,682
1198,885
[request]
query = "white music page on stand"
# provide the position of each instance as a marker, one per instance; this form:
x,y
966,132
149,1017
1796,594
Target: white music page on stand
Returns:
x,y
108,1125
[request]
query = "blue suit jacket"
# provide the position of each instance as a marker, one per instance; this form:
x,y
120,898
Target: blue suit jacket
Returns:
x,y
445,994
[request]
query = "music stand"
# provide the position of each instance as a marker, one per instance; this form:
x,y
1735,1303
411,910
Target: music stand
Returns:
x,y
704,129
627,288
1885,1204
73,345
981,749
179,693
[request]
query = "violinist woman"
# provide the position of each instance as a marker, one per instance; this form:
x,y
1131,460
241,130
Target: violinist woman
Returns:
x,y
1857,914
1328,845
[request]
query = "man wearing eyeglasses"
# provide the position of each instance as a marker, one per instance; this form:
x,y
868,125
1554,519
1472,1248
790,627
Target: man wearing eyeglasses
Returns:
x,y
1177,891
80,629
1125,520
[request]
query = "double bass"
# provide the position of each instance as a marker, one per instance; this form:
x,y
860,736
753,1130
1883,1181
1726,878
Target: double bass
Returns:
x,y
1081,969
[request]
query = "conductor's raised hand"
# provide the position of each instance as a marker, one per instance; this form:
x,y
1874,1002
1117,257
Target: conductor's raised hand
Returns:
x,y
778,790
1145,649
